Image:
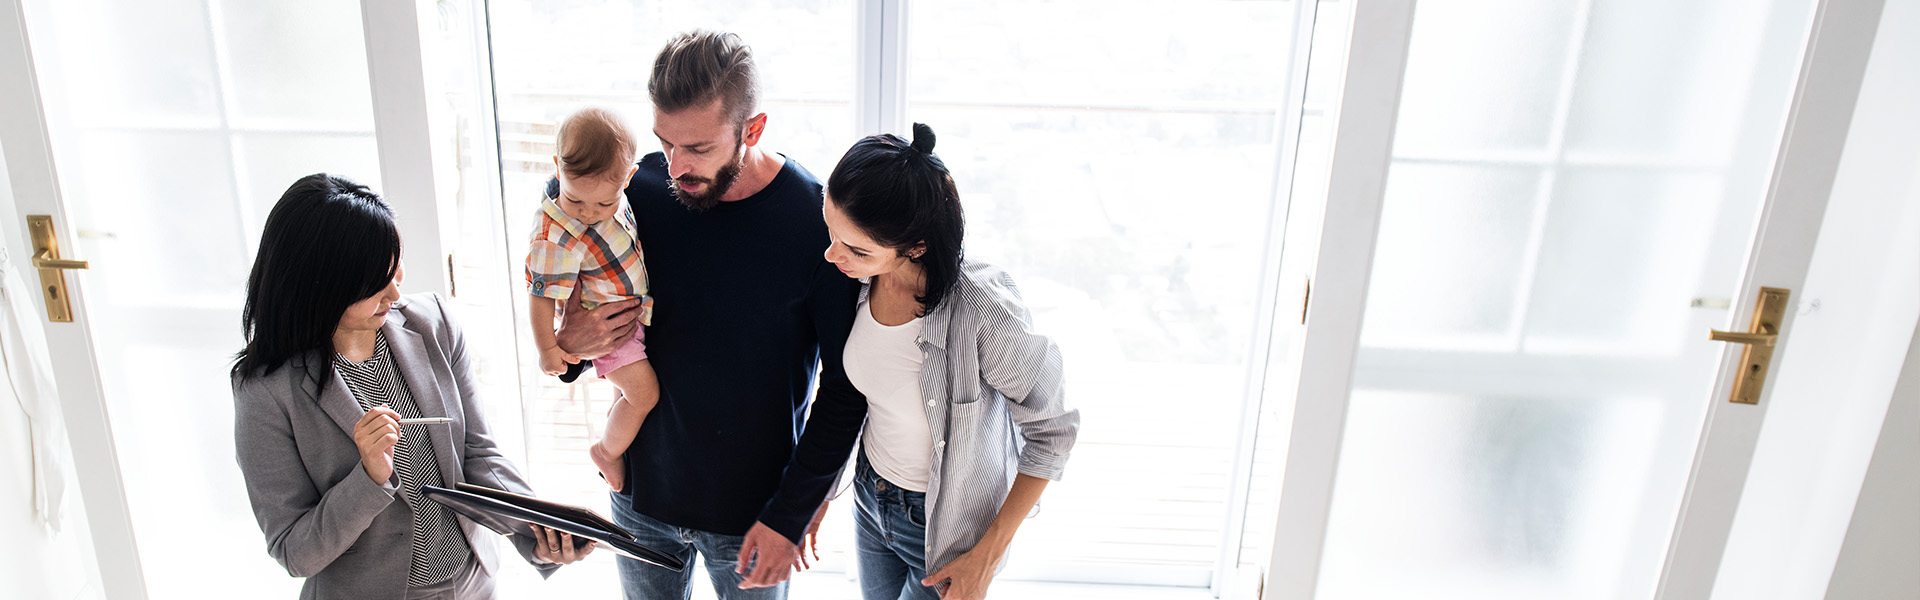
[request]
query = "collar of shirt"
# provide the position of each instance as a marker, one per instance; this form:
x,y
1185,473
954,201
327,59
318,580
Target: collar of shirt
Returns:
x,y
573,226
933,325
622,217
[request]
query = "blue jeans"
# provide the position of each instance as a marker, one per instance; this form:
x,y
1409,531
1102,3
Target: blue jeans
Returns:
x,y
642,581
891,539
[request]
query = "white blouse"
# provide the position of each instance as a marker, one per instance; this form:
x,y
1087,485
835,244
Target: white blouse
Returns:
x,y
884,364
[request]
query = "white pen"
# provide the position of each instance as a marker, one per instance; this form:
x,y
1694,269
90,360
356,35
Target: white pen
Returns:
x,y
426,420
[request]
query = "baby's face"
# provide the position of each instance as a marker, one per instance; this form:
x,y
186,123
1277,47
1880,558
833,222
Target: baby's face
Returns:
x,y
591,199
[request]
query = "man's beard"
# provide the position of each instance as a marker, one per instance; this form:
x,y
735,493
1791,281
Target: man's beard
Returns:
x,y
716,187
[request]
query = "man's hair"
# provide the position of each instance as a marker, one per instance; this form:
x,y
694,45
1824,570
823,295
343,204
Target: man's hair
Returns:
x,y
700,65
594,142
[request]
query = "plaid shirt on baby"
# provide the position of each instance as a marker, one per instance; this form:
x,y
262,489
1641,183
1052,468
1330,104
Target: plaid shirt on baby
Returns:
x,y
603,260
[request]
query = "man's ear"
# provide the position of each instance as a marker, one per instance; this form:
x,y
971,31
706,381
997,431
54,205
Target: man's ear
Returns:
x,y
755,126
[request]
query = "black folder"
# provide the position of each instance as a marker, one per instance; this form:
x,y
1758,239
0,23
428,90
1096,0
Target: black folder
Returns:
x,y
508,513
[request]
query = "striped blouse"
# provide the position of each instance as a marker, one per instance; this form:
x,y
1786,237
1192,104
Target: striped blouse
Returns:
x,y
996,405
439,548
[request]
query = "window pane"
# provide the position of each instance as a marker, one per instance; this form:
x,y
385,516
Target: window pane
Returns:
x,y
1452,245
1121,168
1621,259
1673,81
1483,76
144,61
269,162
278,48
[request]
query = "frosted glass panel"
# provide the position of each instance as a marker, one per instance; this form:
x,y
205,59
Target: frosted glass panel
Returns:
x,y
1483,75
144,61
1620,259
279,48
1452,244
1494,497
1666,78
126,211
271,162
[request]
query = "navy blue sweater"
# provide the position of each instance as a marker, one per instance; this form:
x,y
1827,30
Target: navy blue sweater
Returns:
x,y
744,304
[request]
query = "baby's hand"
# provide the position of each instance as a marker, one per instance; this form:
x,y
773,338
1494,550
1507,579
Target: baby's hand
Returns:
x,y
554,361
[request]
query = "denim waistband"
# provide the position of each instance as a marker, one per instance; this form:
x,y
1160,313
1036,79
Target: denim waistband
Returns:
x,y
867,479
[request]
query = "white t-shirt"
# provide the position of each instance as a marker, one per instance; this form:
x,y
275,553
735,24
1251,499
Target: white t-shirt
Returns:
x,y
884,364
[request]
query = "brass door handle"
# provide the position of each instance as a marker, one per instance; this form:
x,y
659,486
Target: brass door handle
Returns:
x,y
42,261
1757,358
1754,339
46,257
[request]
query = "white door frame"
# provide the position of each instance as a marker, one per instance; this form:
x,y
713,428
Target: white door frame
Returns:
x,y
405,127
1325,351
36,190
1339,264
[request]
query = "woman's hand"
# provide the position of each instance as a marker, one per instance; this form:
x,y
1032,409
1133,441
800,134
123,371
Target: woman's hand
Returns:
x,y
556,547
967,577
375,435
811,541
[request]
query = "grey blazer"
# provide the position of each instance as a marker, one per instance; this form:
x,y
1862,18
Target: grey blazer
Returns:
x,y
324,519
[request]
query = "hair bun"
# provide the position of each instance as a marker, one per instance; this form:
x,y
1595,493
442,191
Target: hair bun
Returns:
x,y
923,138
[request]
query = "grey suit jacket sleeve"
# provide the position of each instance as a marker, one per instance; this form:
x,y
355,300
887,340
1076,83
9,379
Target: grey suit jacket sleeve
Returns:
x,y
482,463
306,528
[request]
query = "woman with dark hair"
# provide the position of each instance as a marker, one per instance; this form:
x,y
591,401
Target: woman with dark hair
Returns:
x,y
966,415
335,358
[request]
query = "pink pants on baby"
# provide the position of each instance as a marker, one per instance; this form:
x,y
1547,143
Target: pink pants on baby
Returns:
x,y
635,350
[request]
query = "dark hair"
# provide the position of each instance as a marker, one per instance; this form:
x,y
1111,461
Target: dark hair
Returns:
x,y
329,242
901,194
594,141
698,66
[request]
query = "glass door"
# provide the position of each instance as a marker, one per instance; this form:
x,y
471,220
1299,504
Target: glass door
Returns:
x,y
1505,384
175,125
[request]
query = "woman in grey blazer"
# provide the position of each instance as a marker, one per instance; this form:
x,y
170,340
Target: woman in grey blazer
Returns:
x,y
967,419
335,356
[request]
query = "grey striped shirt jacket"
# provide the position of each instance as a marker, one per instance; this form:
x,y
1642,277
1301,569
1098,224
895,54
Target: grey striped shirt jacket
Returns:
x,y
996,405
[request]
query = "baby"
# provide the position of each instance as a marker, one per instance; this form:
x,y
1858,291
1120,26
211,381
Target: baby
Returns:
x,y
583,242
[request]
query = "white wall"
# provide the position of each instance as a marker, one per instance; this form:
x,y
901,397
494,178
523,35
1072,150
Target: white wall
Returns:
x,y
1881,558
1843,356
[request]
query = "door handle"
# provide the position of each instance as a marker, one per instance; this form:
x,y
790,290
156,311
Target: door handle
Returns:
x,y
1760,339
41,260
46,257
1757,339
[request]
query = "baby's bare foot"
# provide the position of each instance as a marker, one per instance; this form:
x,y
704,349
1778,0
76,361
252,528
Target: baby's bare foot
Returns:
x,y
611,468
